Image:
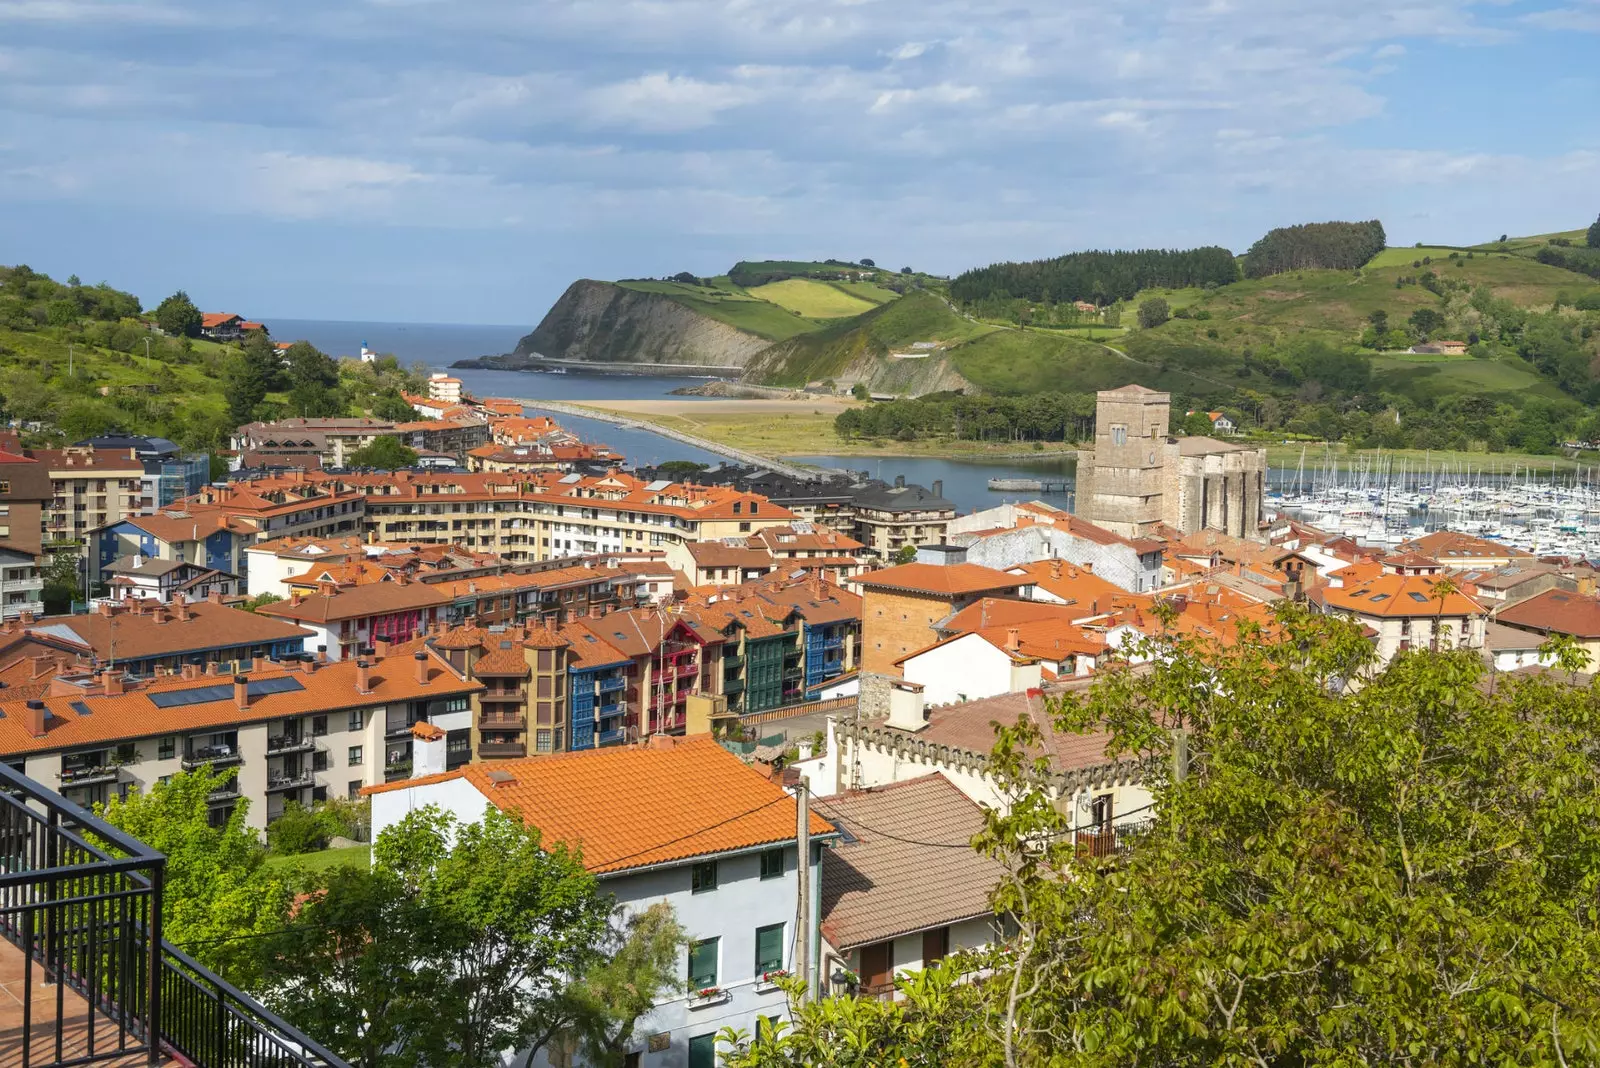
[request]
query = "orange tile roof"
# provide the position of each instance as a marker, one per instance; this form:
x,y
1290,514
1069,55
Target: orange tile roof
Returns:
x,y
948,580
637,806
134,635
118,717
1556,611
502,662
1448,546
1393,596
1002,612
1074,585
358,602
210,319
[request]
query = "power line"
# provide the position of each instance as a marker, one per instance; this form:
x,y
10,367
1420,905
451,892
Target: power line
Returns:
x,y
852,821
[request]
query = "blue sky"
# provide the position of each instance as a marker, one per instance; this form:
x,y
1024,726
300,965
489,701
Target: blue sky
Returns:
x,y
463,160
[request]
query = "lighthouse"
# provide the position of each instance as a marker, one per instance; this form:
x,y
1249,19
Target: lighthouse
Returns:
x,y
367,355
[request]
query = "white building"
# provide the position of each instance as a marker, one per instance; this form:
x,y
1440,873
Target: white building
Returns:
x,y
21,584
444,389
153,579
719,846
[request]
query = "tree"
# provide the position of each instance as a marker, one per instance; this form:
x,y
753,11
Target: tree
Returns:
x,y
678,470
260,600
637,967
300,830
1153,311
906,554
1398,872
868,263
512,918
906,270
392,406
1197,423
386,453
218,895
178,317
313,378
1592,239
1380,321
248,376
1425,321
860,392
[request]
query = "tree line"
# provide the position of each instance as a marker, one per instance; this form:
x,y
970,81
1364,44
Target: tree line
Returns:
x,y
1309,246
30,300
1042,417
1096,277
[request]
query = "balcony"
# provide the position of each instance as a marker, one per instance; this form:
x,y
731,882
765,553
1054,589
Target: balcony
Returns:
x,y
228,793
501,750
218,756
508,723
297,781
401,730
833,643
612,709
288,743
16,608
396,769
502,696
82,913
88,774
732,685
613,684
611,737
732,662
1111,840
688,670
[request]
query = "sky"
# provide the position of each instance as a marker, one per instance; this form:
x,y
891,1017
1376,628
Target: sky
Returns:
x,y
464,160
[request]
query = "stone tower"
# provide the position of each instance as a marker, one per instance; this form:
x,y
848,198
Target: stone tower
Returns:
x,y
1122,479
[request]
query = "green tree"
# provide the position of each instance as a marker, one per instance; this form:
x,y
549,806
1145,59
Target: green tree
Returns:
x,y
1593,237
860,392
386,453
1153,311
1400,871
1425,321
178,317
868,263
513,918
1380,321
906,554
1197,423
392,406
638,965
219,897
313,379
300,830
248,376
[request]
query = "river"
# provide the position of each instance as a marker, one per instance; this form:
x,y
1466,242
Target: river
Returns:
x,y
441,344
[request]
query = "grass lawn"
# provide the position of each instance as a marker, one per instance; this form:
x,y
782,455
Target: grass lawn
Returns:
x,y
867,291
813,299
357,856
733,306
1404,257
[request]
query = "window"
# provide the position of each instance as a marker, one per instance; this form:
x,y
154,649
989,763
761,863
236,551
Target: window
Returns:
x,y
353,756
703,1051
358,719
703,963
353,791
167,748
319,726
771,863
542,742
703,877
1119,434
456,704
319,760
769,949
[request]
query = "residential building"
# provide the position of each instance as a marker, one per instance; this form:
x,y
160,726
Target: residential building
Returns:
x,y
1059,582
901,604
221,326
1511,648
715,563
1406,611
291,505
1137,478
899,893
1506,585
1102,796
329,441
683,822
165,581
168,474
444,389
997,660
1454,549
295,730
811,547
452,437
346,619
21,583
889,518
1009,536
145,638
542,456
1575,615
89,489
25,494
206,537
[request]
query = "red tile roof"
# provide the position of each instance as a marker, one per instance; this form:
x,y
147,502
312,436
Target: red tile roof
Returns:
x,y
942,580
1556,611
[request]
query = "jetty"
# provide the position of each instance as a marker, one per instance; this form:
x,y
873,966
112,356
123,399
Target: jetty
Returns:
x,y
1040,485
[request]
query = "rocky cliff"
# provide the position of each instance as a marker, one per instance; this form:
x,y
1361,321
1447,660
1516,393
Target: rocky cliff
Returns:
x,y
597,322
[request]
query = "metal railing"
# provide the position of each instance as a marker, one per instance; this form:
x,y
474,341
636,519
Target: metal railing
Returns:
x,y
82,902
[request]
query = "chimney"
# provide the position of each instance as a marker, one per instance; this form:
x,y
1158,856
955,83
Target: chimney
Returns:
x,y
184,615
105,608
380,648
111,682
421,661
215,596
907,707
363,679
308,664
241,692
213,668
1055,569
296,598
1087,566
41,666
322,654
938,487
33,719
191,671
596,611
899,481
325,588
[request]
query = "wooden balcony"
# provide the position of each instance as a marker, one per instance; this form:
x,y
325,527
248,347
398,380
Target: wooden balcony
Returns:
x,y
502,750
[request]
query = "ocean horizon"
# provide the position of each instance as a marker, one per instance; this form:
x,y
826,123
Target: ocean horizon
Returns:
x,y
436,344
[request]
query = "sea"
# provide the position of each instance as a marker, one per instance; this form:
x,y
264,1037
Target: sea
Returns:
x,y
440,344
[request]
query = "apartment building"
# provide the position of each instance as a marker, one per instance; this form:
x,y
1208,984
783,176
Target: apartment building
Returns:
x,y
146,578
144,637
21,583
292,730
345,619
89,489
453,437
327,442
542,456
715,563
444,389
204,536
719,846
889,518
1406,611
25,493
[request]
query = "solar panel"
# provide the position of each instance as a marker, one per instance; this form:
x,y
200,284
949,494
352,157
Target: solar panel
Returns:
x,y
206,694
261,687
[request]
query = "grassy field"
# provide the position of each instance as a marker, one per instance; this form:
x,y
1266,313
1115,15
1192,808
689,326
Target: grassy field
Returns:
x,y
358,856
1317,454
1527,246
867,291
733,306
1405,257
1028,361
813,299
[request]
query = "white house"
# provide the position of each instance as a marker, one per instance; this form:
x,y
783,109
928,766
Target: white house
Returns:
x,y
153,579
681,821
444,388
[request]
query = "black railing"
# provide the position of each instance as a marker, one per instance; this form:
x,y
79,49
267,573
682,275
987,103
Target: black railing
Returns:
x,y
81,901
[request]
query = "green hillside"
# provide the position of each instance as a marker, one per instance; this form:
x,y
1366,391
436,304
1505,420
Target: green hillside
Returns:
x,y
730,304
829,352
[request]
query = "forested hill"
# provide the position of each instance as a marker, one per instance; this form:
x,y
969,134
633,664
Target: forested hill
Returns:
x,y
1099,278
1339,246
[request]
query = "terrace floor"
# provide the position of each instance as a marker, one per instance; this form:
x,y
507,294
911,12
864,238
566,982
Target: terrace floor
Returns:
x,y
42,1044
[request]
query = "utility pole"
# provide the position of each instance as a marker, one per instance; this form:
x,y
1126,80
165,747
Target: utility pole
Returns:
x,y
147,346
802,941
69,361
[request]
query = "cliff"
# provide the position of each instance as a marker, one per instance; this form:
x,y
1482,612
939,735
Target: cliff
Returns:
x,y
598,322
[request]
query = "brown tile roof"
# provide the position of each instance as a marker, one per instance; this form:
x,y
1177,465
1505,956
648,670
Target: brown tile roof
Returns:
x,y
637,806
904,863
947,580
130,635
970,725
587,649
1074,585
469,637
359,602
1447,546
1556,611
717,554
133,714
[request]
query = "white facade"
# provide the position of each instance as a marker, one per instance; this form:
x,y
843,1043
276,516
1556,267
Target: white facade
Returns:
x,y
970,934
1118,562
965,669
444,389
742,903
